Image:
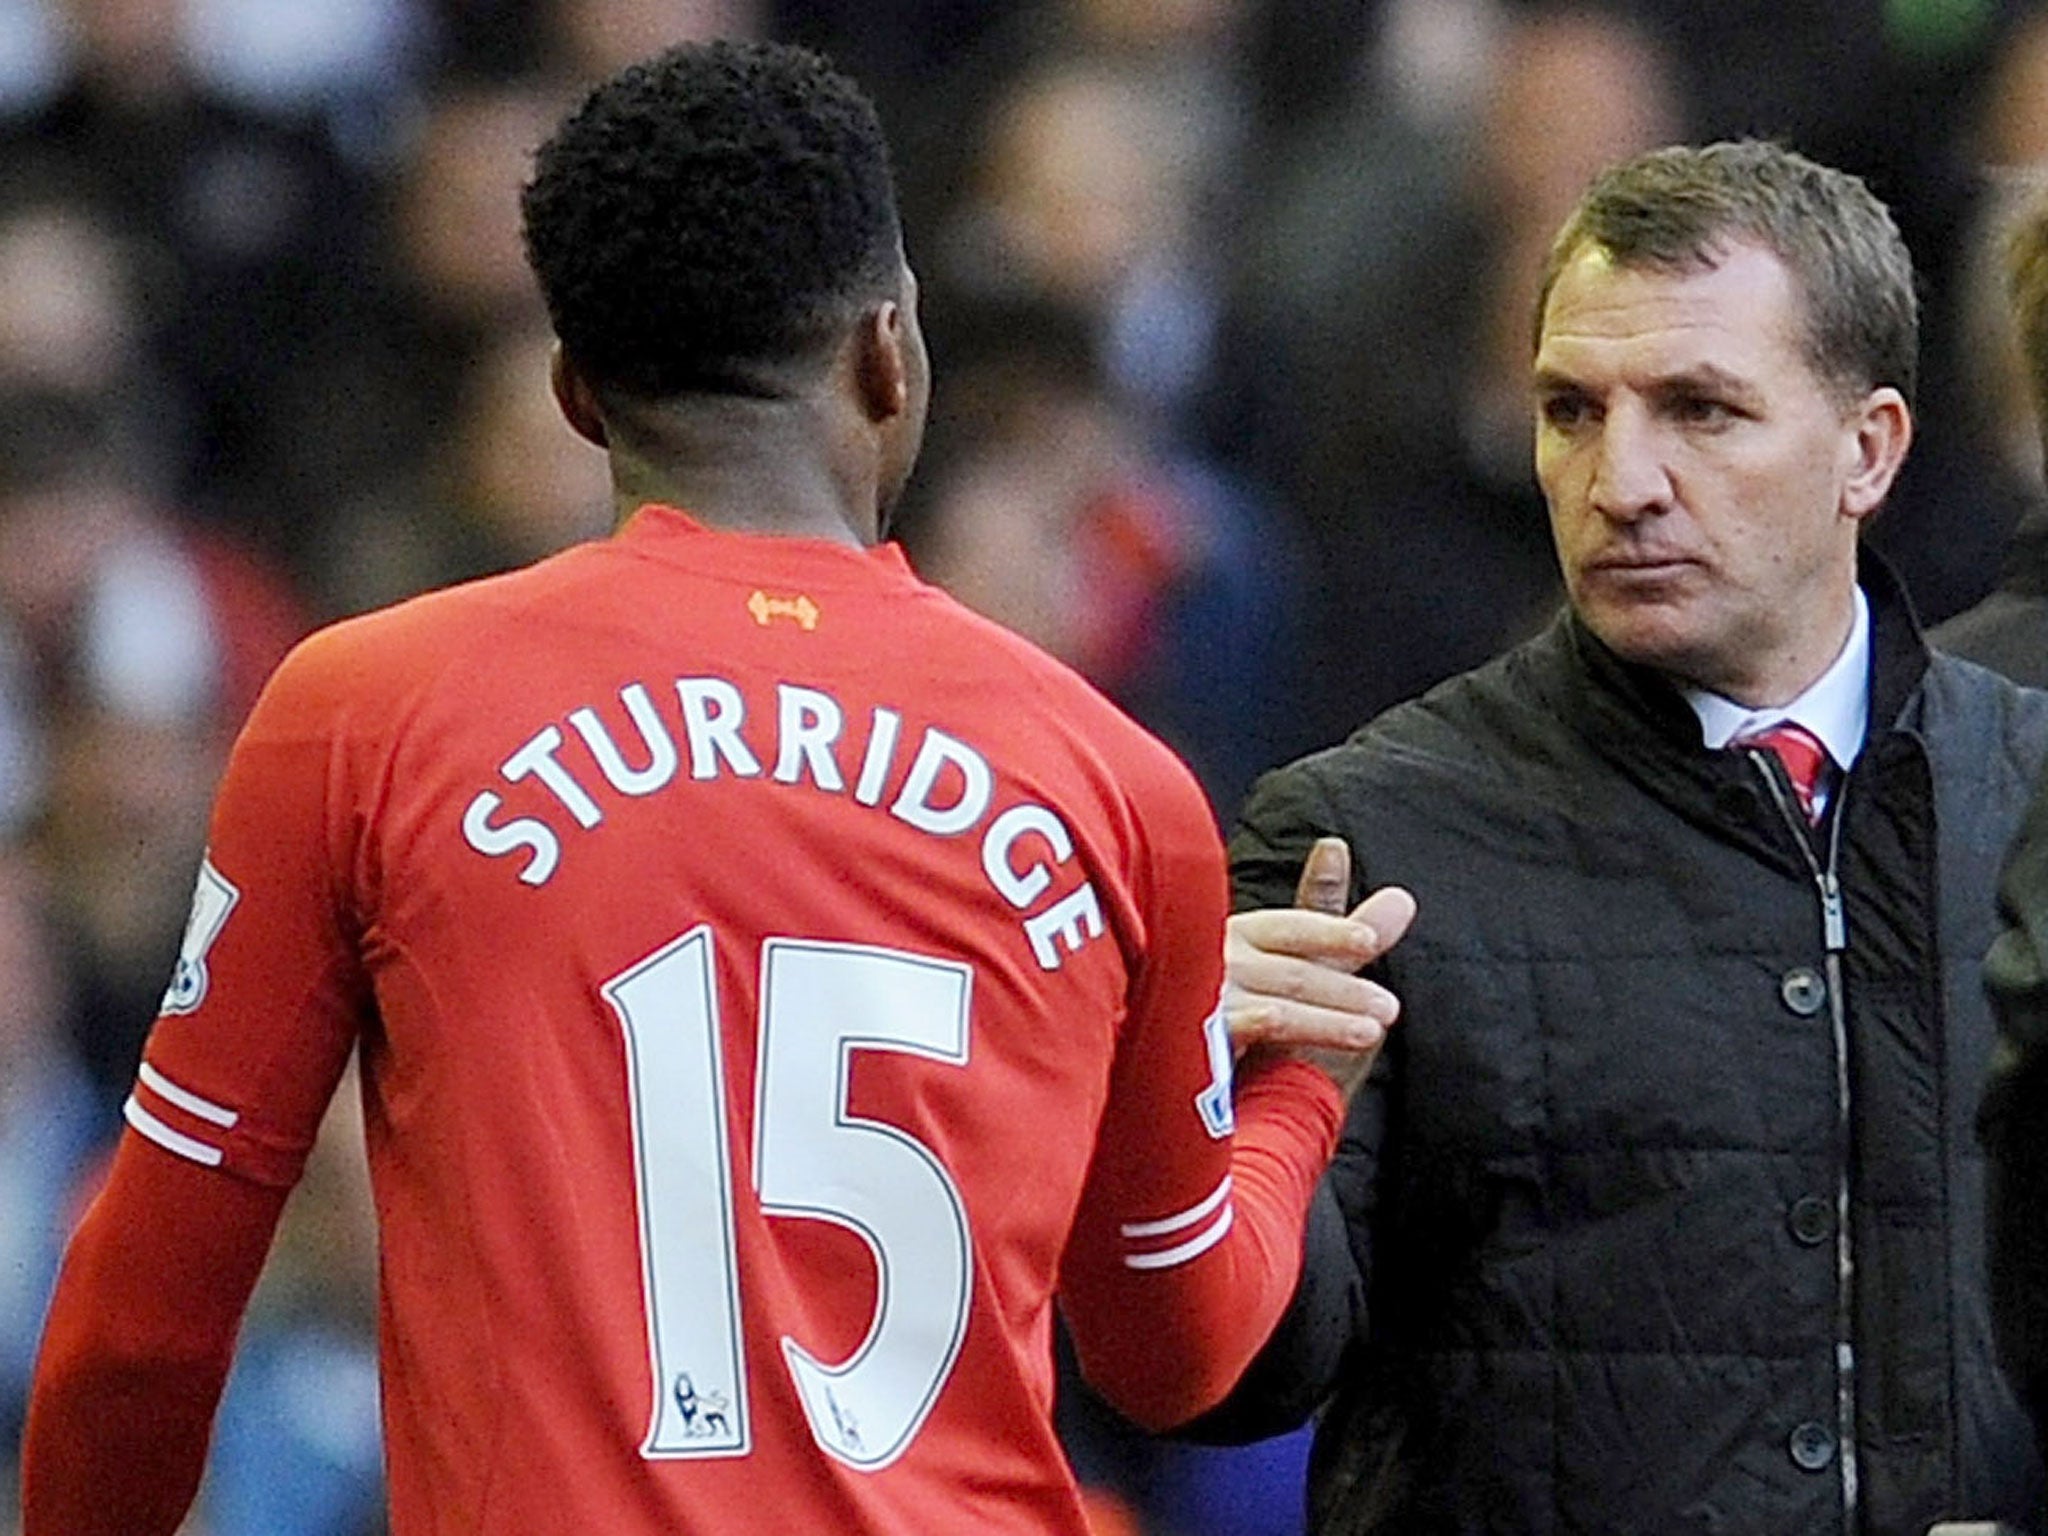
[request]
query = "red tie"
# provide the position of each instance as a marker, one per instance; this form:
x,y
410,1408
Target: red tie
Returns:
x,y
1805,759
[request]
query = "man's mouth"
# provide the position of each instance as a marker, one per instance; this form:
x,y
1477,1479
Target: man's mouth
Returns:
x,y
1639,562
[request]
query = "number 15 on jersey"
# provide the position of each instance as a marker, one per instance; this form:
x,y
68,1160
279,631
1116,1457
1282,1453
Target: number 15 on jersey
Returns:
x,y
813,1158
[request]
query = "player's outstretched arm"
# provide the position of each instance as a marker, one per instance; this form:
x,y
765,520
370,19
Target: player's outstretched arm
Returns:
x,y
140,1334
1164,1333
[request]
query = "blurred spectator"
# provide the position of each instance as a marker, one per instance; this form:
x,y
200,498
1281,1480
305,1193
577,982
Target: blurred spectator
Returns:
x,y
1168,585
2008,630
143,642
1380,343
66,312
70,316
508,483
590,40
247,231
298,1447
2006,331
1107,132
451,280
49,1123
454,231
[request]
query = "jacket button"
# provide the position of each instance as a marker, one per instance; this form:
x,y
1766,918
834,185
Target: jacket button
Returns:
x,y
1812,1446
1812,1219
1804,990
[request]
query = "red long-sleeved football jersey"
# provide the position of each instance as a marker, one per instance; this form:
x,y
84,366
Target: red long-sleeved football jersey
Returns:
x,y
775,986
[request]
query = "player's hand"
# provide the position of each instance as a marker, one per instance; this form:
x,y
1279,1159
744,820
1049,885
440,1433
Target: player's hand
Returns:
x,y
1289,979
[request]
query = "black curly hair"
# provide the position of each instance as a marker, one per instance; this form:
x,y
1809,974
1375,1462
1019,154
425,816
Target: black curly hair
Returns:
x,y
719,207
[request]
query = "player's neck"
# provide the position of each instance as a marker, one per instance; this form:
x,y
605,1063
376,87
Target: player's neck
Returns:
x,y
751,466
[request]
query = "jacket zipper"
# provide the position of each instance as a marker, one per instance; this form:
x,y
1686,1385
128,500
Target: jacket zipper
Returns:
x,y
1835,940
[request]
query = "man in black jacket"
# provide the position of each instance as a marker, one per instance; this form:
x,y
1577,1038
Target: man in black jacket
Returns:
x,y
2016,1110
1662,1211
2009,631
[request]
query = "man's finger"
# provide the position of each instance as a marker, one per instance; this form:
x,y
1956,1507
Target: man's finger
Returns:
x,y
1387,912
1325,884
1349,1026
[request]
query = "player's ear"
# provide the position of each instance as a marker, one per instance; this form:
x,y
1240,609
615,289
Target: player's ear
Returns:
x,y
881,361
575,397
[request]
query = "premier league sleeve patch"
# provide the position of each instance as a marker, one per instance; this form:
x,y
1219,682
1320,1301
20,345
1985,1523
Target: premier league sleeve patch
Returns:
x,y
1214,1103
212,901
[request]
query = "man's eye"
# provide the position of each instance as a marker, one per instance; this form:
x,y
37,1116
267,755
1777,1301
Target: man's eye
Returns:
x,y
1564,410
1702,410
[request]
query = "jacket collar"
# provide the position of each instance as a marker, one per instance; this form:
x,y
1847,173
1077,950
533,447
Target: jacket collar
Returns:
x,y
1637,719
1636,699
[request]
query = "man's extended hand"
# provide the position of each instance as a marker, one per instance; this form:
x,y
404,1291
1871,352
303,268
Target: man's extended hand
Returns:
x,y
1289,971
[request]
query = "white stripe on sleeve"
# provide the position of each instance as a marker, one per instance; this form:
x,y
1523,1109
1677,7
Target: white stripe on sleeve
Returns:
x,y
168,1139
186,1100
1201,1243
1180,1219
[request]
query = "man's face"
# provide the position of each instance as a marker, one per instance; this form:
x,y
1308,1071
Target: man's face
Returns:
x,y
1705,484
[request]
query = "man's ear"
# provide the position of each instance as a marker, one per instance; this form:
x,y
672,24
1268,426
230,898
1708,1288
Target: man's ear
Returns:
x,y
576,399
1884,431
881,366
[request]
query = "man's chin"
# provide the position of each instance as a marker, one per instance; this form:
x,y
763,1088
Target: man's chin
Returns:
x,y
1645,635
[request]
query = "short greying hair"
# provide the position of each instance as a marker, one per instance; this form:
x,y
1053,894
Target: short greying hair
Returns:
x,y
1680,208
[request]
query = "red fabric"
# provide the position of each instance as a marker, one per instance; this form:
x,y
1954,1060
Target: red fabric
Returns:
x,y
1805,760
137,1346
571,851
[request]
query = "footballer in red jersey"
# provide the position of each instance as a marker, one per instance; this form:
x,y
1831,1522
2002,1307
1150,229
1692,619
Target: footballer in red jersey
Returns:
x,y
776,988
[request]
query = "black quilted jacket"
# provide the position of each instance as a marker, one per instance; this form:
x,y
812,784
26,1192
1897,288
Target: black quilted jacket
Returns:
x,y
1663,1211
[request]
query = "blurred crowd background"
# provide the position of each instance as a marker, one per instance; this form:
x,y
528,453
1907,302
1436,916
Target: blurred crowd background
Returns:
x,y
1229,303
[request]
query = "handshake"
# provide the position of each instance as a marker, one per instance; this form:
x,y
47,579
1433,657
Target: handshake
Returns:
x,y
1291,981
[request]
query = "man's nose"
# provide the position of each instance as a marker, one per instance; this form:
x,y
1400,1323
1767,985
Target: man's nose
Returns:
x,y
1630,479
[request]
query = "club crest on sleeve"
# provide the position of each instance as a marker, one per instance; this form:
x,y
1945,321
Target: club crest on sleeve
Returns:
x,y
212,901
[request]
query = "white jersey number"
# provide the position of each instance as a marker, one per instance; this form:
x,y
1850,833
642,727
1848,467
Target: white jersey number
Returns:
x,y
820,1002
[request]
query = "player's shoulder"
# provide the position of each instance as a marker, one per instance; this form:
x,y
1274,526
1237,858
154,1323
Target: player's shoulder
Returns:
x,y
370,662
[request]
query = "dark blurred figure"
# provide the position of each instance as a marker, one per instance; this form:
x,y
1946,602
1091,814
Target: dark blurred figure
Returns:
x,y
1048,506
142,643
247,231
1378,340
2008,630
1103,149
49,1124
2007,326
2015,1104
451,279
507,484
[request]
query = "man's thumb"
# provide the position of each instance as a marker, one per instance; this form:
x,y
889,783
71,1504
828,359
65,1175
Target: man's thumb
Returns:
x,y
1325,884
